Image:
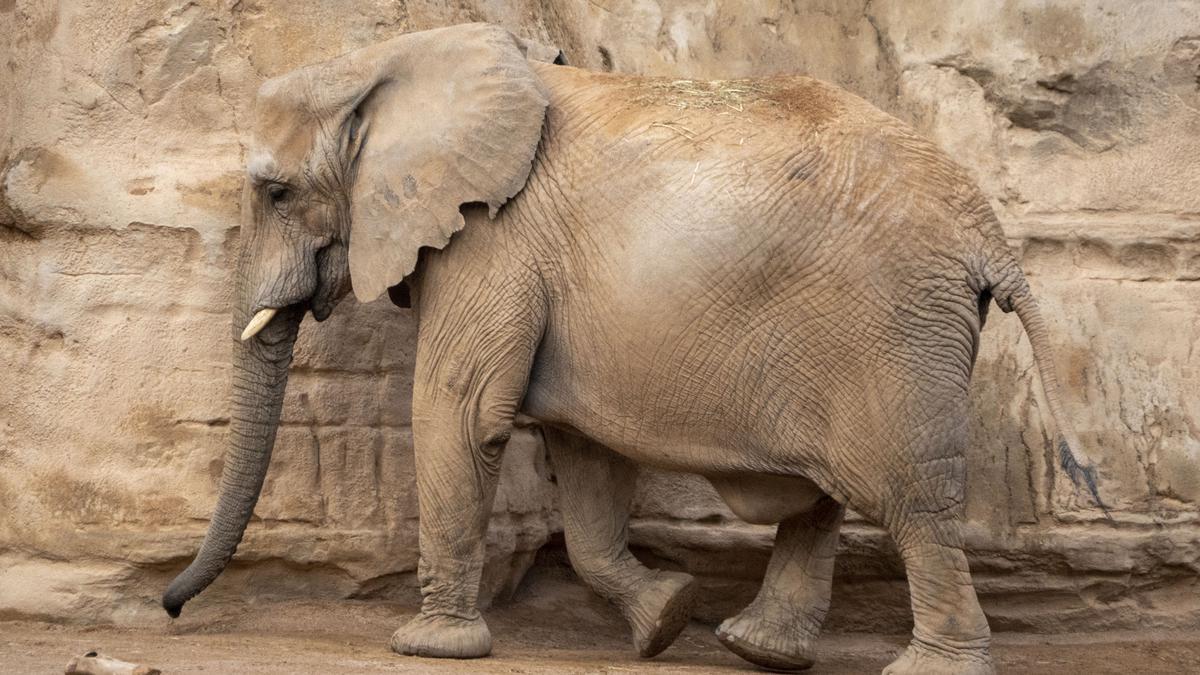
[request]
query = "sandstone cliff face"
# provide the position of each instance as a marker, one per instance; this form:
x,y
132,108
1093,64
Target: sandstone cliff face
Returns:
x,y
120,167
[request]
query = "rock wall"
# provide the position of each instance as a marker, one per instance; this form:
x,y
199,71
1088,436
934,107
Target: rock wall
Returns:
x,y
120,169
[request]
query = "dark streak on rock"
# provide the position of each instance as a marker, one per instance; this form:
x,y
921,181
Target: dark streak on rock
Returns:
x,y
606,60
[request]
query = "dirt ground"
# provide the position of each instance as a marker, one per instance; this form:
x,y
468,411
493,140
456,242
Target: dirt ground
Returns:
x,y
555,626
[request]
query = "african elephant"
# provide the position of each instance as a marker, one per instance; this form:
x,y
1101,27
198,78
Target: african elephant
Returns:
x,y
766,282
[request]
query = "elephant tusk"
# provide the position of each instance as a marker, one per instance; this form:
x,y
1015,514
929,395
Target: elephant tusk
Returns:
x,y
259,322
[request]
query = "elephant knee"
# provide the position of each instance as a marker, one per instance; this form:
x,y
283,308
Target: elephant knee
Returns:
x,y
464,437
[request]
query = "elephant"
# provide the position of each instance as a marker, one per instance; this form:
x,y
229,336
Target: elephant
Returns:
x,y
766,282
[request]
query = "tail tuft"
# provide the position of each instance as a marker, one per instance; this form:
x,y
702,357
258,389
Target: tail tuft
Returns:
x,y
1080,474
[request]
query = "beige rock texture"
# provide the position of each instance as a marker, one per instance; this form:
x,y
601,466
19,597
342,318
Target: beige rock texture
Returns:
x,y
120,168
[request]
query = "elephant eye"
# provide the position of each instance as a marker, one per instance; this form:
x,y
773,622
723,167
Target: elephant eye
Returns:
x,y
279,196
277,193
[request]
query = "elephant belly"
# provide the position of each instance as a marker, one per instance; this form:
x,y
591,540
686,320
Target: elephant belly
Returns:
x,y
667,419
684,388
765,499
756,485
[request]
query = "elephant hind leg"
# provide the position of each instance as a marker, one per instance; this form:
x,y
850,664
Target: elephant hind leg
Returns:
x,y
924,518
595,491
778,630
950,631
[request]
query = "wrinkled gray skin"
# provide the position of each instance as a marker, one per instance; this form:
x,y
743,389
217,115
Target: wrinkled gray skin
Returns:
x,y
769,283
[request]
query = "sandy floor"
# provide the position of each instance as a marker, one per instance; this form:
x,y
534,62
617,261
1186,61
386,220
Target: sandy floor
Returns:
x,y
556,627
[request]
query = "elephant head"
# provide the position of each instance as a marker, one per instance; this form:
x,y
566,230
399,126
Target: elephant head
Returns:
x,y
353,166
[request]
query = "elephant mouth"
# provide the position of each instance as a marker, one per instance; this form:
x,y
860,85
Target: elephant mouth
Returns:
x,y
327,282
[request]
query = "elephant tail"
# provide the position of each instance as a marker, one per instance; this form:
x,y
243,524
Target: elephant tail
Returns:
x,y
1013,294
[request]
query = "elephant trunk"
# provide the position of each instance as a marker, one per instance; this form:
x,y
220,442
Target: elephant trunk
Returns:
x,y
260,371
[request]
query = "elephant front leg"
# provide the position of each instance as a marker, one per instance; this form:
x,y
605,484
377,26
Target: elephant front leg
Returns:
x,y
596,487
456,483
778,630
462,418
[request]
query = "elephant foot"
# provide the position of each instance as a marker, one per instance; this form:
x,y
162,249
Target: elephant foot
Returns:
x,y
443,636
774,640
923,659
660,610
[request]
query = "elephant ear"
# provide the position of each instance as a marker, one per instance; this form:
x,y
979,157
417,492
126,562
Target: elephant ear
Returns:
x,y
444,118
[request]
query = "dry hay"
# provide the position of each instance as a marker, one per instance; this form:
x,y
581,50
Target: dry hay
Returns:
x,y
702,94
